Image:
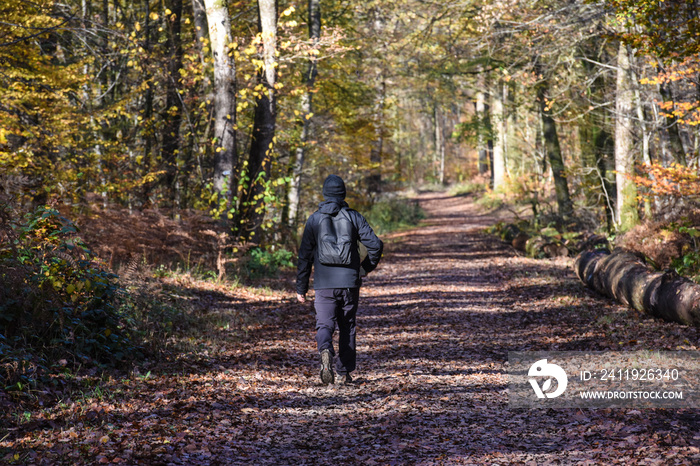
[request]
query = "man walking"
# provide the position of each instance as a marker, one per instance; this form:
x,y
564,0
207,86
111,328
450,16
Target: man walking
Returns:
x,y
330,244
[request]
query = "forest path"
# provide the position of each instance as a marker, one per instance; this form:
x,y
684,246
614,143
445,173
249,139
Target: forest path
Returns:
x,y
435,324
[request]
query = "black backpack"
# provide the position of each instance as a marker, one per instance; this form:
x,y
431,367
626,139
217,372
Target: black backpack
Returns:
x,y
335,239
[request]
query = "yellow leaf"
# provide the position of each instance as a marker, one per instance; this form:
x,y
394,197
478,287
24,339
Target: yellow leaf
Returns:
x,y
138,27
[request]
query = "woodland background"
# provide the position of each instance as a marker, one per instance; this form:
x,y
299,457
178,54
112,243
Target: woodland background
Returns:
x,y
195,136
239,109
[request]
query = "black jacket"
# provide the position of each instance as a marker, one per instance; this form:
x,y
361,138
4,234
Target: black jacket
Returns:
x,y
334,276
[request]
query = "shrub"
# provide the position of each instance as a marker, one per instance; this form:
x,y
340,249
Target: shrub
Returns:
x,y
688,262
393,214
56,301
266,262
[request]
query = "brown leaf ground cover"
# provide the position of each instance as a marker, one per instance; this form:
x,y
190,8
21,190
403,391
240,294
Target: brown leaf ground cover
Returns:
x,y
436,322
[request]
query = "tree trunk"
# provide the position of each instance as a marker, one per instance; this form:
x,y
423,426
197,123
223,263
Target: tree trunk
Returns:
x,y
374,180
439,145
626,215
499,146
677,150
604,147
170,148
201,29
201,33
553,151
512,149
306,112
225,157
597,146
484,124
625,277
261,146
147,123
646,136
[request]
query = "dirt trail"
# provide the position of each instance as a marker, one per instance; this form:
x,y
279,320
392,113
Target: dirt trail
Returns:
x,y
436,322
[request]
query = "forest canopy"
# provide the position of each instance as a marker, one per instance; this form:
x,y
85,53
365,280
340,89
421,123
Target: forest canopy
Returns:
x,y
583,109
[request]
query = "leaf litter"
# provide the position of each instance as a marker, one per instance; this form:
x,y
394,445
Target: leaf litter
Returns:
x,y
436,322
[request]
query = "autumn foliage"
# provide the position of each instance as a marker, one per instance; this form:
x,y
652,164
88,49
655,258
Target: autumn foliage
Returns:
x,y
675,181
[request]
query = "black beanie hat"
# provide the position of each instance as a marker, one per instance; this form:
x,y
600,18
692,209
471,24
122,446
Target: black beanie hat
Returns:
x,y
334,187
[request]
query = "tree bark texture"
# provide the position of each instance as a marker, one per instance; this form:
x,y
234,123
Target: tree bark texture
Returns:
x,y
553,151
674,136
625,277
170,148
306,110
374,180
264,121
201,32
626,213
483,127
439,145
147,133
499,146
219,23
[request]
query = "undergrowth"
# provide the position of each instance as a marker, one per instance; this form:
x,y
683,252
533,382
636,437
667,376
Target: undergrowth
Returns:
x,y
266,262
62,311
394,214
58,306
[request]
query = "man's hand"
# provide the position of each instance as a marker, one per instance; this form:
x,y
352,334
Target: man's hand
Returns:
x,y
301,298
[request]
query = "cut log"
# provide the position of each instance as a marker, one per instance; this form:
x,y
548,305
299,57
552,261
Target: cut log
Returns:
x,y
555,250
624,276
520,241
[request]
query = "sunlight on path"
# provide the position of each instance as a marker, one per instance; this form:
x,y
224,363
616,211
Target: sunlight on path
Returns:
x,y
435,325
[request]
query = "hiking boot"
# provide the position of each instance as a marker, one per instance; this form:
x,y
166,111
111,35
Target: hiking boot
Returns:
x,y
344,379
327,375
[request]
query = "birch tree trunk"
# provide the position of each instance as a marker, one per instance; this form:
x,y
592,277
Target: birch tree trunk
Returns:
x,y
482,116
170,148
261,146
306,112
626,212
225,157
646,136
374,180
439,145
499,146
